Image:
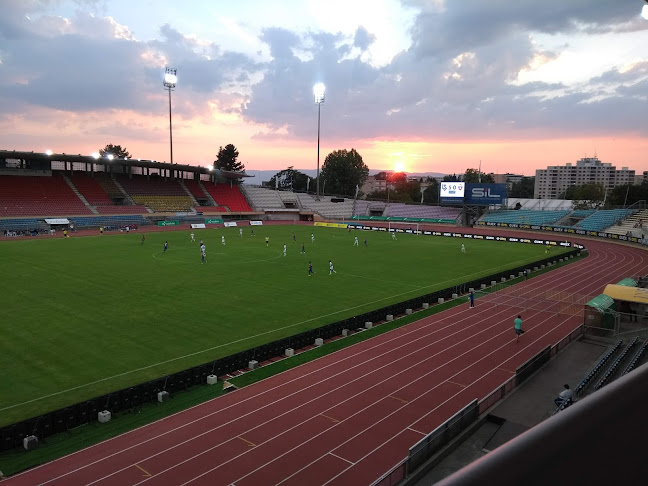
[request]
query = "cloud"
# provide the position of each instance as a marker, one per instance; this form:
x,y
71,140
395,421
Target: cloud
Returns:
x,y
458,80
363,38
462,54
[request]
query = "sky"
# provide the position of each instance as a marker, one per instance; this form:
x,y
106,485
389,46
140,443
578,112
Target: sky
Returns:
x,y
414,85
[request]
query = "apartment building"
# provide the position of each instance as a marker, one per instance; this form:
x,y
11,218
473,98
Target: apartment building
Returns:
x,y
551,183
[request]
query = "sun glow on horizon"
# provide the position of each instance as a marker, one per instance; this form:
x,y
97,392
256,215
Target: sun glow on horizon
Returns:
x,y
399,166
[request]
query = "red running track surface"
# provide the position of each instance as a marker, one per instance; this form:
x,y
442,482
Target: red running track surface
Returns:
x,y
346,418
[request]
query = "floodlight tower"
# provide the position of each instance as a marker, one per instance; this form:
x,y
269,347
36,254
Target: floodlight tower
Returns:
x,y
644,11
170,80
318,95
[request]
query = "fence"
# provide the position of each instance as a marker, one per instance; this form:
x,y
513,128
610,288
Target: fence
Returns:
x,y
442,435
496,395
531,366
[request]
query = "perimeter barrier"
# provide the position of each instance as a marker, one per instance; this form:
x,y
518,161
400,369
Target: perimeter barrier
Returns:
x,y
131,398
436,440
442,435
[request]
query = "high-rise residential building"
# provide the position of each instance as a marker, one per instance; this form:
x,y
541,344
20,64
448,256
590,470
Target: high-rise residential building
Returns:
x,y
552,182
508,179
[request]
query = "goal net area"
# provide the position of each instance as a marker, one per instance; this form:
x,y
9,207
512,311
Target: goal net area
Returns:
x,y
403,227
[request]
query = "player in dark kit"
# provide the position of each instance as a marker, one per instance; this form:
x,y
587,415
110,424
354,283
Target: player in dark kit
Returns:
x,y
310,269
166,245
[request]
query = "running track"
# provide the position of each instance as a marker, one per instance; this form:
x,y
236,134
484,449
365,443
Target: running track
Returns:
x,y
346,418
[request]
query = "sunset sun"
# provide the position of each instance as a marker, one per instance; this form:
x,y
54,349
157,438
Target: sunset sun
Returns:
x,y
399,166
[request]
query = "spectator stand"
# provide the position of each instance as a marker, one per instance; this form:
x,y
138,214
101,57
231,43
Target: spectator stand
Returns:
x,y
598,367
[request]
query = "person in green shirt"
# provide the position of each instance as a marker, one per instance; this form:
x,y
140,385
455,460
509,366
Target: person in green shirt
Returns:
x,y
518,328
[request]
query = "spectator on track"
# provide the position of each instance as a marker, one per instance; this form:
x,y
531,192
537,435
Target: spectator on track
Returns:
x,y
472,298
517,325
564,396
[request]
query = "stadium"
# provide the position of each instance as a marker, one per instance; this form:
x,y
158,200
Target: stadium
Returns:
x,y
369,370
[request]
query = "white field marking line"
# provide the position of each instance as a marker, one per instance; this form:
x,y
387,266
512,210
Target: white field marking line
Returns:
x,y
347,418
404,336
508,342
548,318
430,322
563,321
342,458
406,344
550,279
424,416
171,360
417,431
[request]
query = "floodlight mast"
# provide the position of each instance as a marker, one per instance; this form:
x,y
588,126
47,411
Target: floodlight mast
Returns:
x,y
170,80
644,11
318,96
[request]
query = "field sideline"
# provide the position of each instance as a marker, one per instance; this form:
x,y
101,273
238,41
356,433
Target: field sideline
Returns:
x,y
89,315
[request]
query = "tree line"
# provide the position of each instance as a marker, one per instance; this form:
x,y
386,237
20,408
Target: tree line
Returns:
x,y
344,171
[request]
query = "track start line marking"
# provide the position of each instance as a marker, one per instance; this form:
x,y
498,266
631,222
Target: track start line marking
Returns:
x,y
146,473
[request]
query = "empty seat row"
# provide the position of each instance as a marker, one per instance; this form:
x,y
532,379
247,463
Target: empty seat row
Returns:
x,y
597,369
610,371
636,358
230,196
164,203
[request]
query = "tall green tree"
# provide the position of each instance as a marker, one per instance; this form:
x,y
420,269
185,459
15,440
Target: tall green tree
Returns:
x,y
451,178
627,195
400,189
116,151
472,176
291,179
523,189
227,159
431,192
586,196
342,171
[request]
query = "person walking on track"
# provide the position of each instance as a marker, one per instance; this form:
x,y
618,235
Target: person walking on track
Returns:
x,y
518,328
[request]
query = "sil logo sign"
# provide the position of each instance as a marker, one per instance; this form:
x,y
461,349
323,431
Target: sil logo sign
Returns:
x,y
483,192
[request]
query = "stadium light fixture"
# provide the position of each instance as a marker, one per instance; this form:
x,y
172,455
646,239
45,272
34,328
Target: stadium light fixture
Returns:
x,y
318,96
110,156
170,81
48,152
644,11
96,155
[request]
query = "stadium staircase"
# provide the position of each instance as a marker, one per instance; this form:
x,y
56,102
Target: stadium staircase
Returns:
x,y
209,196
603,218
194,202
156,193
102,192
39,196
628,225
122,191
79,195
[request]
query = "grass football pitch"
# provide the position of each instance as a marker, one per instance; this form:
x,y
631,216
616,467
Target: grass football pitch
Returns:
x,y
87,315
